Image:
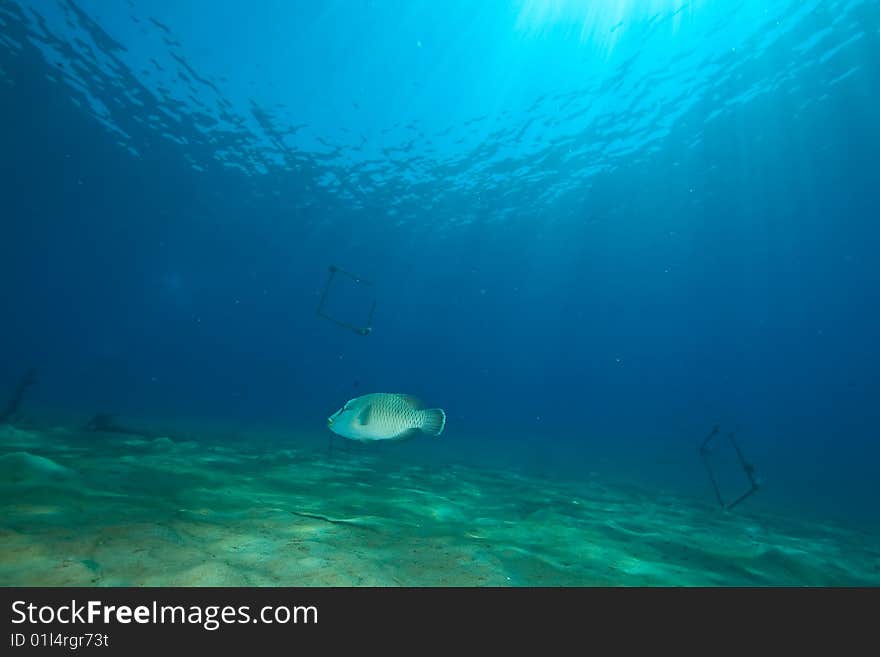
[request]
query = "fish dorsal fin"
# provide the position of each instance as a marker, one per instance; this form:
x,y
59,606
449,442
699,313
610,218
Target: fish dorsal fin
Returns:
x,y
413,402
363,417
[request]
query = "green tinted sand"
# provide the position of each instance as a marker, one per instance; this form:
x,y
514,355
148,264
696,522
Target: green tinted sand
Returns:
x,y
135,512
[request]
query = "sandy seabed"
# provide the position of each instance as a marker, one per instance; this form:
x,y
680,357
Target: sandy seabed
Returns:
x,y
127,511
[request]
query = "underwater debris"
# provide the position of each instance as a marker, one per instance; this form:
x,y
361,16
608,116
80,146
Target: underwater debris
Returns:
x,y
106,423
360,330
336,521
748,468
9,413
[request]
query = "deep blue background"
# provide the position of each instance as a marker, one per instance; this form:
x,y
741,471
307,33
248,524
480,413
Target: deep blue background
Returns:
x,y
734,280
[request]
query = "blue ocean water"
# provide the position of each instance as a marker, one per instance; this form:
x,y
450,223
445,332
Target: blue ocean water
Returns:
x,y
593,230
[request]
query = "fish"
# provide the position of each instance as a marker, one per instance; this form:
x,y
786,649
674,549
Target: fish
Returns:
x,y
386,416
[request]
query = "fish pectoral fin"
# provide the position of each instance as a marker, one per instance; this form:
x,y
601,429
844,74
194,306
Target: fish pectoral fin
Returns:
x,y
363,417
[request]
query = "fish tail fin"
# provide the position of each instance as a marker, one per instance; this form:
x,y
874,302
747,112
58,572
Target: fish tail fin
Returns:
x,y
433,421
